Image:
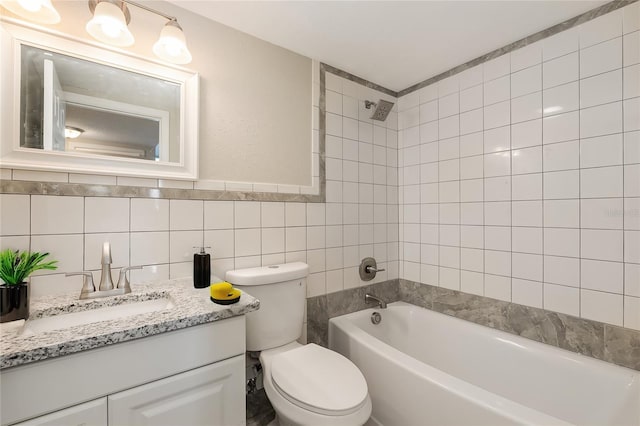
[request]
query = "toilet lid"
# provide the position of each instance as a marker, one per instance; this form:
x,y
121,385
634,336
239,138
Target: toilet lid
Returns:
x,y
319,380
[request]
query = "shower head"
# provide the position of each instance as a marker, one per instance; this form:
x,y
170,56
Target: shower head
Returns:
x,y
383,108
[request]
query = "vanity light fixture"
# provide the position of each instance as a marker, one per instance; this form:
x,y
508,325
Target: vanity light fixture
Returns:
x,y
41,11
109,25
72,132
172,46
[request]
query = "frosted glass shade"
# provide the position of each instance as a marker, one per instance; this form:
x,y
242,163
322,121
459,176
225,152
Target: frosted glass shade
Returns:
x,y
108,25
41,11
172,45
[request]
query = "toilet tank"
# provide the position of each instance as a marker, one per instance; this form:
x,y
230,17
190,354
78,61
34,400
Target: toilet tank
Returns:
x,y
282,292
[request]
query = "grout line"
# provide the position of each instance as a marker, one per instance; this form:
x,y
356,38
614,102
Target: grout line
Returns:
x,y
579,192
130,203
623,197
439,284
542,178
84,233
459,198
484,195
511,180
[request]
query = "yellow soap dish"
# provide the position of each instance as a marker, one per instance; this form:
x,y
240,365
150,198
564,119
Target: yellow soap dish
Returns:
x,y
224,294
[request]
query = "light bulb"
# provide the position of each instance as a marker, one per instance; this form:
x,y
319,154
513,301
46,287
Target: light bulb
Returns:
x,y
72,132
109,25
41,11
31,5
171,45
110,29
172,49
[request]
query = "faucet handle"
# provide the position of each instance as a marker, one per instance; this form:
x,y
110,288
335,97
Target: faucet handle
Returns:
x,y
87,281
123,281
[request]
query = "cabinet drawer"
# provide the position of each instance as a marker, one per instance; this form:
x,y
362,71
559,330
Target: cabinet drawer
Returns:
x,y
211,395
92,413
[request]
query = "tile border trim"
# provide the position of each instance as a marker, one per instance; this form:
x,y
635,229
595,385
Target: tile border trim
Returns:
x,y
356,79
547,32
609,343
90,190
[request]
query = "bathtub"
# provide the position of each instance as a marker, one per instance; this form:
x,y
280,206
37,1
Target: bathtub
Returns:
x,y
427,368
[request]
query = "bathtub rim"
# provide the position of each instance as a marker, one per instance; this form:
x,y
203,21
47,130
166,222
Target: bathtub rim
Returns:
x,y
509,336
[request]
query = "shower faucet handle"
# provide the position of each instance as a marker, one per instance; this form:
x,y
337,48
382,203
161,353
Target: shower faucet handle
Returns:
x,y
369,269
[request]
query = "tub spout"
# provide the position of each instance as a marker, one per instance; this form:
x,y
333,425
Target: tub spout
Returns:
x,y
368,298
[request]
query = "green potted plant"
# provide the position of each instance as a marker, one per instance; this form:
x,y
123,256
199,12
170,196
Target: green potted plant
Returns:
x,y
15,268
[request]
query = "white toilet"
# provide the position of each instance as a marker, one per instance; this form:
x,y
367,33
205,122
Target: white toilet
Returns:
x,y
306,384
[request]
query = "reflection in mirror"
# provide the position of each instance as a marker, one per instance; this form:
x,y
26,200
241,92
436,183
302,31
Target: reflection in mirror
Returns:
x,y
73,105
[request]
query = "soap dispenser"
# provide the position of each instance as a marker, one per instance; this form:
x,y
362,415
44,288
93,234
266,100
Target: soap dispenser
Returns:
x,y
201,268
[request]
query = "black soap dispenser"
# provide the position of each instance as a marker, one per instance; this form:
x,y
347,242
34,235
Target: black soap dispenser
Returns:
x,y
201,268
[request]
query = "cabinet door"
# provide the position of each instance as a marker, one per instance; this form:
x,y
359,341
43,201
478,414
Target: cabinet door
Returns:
x,y
92,413
210,395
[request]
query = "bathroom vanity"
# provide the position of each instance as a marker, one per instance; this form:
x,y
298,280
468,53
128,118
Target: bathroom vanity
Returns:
x,y
163,354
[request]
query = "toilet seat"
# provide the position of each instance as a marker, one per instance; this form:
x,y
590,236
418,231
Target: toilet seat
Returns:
x,y
319,380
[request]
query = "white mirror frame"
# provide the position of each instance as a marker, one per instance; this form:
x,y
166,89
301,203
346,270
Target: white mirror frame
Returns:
x,y
14,34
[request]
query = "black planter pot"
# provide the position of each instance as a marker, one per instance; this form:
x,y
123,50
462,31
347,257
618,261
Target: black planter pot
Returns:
x,y
14,302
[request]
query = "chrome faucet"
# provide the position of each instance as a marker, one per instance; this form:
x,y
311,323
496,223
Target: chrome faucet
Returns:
x,y
368,298
106,287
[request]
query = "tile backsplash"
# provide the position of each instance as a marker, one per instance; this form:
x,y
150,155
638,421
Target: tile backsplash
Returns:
x,y
520,177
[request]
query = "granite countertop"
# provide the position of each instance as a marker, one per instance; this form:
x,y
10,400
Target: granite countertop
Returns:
x,y
191,307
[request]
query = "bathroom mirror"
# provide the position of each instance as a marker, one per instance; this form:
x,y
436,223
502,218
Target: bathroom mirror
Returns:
x,y
74,105
78,107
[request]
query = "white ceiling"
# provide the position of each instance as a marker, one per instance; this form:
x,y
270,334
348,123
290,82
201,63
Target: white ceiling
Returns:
x,y
392,43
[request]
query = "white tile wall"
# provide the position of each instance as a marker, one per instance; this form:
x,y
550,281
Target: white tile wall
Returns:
x,y
149,215
537,202
362,170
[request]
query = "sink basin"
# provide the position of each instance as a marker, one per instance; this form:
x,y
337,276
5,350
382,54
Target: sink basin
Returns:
x,y
59,322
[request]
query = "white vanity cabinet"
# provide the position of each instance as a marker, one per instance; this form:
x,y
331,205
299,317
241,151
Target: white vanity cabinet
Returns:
x,y
193,376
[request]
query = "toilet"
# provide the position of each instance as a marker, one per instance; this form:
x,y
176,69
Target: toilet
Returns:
x,y
306,384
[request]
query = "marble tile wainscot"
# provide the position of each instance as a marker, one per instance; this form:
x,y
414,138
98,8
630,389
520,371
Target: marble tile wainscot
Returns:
x,y
598,340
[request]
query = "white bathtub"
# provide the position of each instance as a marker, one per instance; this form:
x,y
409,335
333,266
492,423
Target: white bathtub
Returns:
x,y
427,368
